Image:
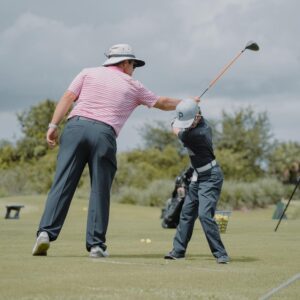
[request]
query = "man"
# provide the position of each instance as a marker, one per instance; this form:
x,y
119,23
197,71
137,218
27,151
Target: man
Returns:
x,y
104,98
205,187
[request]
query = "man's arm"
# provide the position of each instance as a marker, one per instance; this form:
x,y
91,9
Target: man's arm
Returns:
x,y
167,103
63,106
61,109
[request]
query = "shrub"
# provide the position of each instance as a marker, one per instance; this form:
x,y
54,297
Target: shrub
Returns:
x,y
13,181
33,177
260,193
235,195
155,194
139,168
128,195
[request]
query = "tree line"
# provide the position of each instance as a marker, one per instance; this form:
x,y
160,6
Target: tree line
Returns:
x,y
244,144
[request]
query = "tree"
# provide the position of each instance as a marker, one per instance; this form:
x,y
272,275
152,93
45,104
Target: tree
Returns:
x,y
234,164
34,123
285,161
8,154
140,167
248,134
159,136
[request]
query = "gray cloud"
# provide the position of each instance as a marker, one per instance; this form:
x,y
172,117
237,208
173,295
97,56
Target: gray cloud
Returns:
x,y
43,45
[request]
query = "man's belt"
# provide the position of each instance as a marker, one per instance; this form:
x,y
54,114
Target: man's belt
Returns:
x,y
206,167
94,121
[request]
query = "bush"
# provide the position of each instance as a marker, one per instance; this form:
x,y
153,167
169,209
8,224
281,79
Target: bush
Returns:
x,y
234,165
33,177
128,195
260,193
8,155
155,194
139,168
235,195
13,181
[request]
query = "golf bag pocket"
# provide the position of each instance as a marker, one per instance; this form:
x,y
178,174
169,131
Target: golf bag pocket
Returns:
x,y
171,212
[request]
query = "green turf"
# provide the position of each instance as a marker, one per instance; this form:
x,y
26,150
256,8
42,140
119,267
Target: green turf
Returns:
x,y
261,259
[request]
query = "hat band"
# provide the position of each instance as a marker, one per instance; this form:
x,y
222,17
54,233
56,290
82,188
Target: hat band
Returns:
x,y
121,55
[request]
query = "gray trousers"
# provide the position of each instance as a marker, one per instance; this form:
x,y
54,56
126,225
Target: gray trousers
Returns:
x,y
201,202
82,142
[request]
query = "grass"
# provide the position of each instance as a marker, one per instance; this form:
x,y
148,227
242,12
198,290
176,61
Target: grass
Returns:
x,y
261,258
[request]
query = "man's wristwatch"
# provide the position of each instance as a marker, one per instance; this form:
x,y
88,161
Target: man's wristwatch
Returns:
x,y
51,125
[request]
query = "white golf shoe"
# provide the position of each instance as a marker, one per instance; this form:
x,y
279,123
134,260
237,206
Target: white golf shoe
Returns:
x,y
98,252
41,245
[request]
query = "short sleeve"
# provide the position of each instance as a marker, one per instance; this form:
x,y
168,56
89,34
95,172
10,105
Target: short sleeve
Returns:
x,y
145,96
76,85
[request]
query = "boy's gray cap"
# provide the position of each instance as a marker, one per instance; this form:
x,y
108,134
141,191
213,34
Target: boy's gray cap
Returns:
x,y
119,53
186,110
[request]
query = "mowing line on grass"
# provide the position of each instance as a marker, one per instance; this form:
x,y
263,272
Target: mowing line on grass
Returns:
x,y
106,261
283,285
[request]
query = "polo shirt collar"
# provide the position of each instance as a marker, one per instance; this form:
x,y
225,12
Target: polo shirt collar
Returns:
x,y
115,68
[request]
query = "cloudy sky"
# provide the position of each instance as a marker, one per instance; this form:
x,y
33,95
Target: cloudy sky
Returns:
x,y
185,43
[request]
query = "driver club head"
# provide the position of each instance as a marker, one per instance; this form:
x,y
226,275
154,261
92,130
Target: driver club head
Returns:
x,y
252,46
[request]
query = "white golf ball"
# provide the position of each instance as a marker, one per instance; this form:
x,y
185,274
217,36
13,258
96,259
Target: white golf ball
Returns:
x,y
148,241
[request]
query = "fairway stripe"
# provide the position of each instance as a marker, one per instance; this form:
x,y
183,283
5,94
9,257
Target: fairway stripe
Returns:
x,y
107,261
283,285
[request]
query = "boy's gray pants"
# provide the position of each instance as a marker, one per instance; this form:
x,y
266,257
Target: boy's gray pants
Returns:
x,y
83,141
201,202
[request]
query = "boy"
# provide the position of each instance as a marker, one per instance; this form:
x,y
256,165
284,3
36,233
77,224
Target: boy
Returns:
x,y
205,188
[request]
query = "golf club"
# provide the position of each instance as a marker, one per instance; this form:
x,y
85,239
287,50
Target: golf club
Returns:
x,y
250,46
297,184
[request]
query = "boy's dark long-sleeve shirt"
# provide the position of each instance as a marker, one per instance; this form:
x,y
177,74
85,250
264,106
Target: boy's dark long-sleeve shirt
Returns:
x,y
198,142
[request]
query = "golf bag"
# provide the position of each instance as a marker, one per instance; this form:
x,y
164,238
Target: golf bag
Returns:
x,y
171,212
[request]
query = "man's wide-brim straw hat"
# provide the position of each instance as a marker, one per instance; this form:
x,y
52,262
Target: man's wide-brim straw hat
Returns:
x,y
119,53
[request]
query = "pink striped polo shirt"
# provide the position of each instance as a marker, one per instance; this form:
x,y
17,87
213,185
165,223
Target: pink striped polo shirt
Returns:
x,y
108,95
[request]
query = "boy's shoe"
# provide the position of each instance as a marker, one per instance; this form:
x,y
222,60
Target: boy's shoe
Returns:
x,y
224,259
97,252
42,244
174,255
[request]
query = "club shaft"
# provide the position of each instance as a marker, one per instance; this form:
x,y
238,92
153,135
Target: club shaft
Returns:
x,y
287,204
222,72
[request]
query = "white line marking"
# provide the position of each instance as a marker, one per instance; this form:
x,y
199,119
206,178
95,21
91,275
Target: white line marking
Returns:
x,y
283,285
